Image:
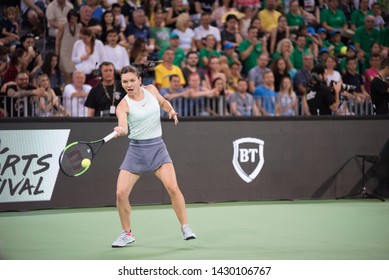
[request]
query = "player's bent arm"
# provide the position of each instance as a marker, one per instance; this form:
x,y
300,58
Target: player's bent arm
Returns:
x,y
163,103
122,111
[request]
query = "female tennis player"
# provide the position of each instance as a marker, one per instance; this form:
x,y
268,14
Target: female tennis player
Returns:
x,y
140,111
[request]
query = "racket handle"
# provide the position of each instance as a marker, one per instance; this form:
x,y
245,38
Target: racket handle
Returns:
x,y
110,136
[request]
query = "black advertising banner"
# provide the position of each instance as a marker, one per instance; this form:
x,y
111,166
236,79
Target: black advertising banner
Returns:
x,y
222,159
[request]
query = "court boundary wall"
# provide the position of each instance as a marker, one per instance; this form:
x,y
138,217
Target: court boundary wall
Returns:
x,y
216,159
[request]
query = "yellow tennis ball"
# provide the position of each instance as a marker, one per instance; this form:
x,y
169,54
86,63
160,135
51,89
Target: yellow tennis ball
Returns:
x,y
343,50
85,162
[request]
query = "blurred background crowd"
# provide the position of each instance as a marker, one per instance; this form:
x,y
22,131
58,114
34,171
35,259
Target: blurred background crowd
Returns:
x,y
209,58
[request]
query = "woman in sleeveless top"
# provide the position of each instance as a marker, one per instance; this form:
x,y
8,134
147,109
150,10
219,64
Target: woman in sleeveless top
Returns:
x,y
140,113
67,35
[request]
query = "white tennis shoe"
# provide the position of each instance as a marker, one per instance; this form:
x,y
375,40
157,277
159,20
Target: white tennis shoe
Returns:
x,y
124,239
188,233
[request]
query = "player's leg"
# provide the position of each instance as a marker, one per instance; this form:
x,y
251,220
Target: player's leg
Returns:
x,y
125,184
167,175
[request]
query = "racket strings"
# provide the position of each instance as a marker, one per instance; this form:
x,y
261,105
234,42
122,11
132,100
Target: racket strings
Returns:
x,y
72,157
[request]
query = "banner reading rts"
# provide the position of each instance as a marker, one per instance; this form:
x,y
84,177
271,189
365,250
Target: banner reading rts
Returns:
x,y
29,163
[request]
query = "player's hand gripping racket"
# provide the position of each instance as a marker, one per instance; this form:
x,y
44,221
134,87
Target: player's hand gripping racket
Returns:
x,y
76,158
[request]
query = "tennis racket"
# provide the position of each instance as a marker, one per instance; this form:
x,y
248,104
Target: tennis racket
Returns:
x,y
70,160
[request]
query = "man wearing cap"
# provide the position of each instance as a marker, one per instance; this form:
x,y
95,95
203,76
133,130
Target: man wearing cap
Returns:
x,y
322,32
230,54
179,54
334,45
351,52
366,35
323,54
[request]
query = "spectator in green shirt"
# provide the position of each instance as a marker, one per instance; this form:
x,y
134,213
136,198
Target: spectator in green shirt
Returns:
x,y
334,45
250,49
358,15
333,18
298,52
179,54
366,35
384,36
294,17
208,51
159,32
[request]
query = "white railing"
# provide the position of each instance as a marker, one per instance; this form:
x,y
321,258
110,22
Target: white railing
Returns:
x,y
29,107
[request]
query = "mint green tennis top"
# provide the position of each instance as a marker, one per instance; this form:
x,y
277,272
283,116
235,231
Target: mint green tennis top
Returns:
x,y
144,119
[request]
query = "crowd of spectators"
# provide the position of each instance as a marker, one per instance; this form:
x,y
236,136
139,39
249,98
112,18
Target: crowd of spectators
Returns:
x,y
256,55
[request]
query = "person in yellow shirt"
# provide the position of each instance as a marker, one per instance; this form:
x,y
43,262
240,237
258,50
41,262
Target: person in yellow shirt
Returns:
x,y
164,70
269,16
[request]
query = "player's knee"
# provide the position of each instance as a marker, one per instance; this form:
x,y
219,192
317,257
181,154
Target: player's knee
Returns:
x,y
173,190
121,195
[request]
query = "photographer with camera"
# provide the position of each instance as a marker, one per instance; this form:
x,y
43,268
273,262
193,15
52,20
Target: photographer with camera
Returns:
x,y
379,89
322,99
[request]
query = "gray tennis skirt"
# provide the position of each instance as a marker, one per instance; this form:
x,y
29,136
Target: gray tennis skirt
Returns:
x,y
145,155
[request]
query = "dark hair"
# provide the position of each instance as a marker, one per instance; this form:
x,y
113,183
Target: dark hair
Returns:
x,y
87,32
243,80
103,23
235,63
137,48
375,43
385,63
192,52
319,69
351,58
106,63
130,69
22,72
215,80
46,67
274,65
112,31
173,76
19,52
25,37
73,13
115,5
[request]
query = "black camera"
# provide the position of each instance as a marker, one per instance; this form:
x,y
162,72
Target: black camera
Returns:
x,y
345,87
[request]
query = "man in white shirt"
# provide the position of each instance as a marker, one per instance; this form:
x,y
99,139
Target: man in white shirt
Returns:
x,y
56,14
115,53
205,29
74,95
